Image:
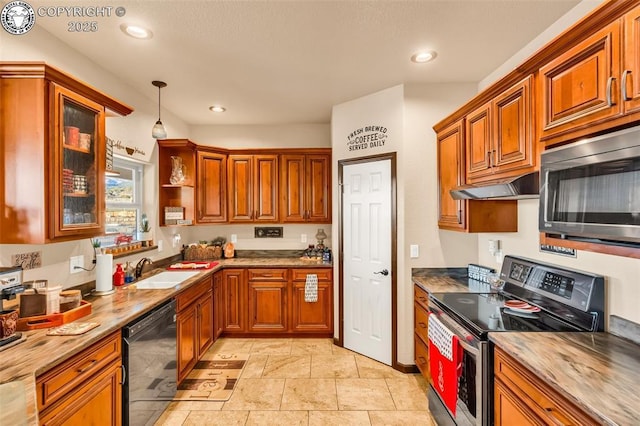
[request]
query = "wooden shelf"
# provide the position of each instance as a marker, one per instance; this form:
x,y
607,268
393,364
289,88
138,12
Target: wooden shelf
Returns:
x,y
170,185
77,195
76,149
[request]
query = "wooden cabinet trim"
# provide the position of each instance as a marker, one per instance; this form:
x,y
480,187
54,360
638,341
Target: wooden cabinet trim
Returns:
x,y
324,274
268,274
193,293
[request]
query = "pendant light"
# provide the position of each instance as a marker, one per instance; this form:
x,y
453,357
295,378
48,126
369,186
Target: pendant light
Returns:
x,y
158,131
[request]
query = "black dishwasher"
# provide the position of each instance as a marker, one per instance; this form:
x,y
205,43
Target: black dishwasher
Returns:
x,y
149,347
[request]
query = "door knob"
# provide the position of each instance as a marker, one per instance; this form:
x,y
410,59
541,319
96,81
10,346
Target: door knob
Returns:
x,y
384,272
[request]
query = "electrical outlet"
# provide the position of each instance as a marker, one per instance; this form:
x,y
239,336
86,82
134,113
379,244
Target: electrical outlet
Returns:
x,y
160,245
303,238
75,264
234,238
415,251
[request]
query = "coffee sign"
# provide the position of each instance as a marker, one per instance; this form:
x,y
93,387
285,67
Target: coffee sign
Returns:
x,y
367,137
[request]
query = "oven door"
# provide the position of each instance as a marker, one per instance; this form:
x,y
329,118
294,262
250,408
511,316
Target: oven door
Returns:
x,y
472,405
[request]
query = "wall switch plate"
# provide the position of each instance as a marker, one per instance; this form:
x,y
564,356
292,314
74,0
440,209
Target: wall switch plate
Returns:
x,y
160,245
415,251
303,238
76,261
234,238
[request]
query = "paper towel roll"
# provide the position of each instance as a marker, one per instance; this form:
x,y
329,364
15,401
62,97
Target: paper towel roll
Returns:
x,y
104,271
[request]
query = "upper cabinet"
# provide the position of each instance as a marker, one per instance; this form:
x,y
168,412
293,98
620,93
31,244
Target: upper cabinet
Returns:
x,y
177,179
499,135
253,188
53,154
305,184
211,188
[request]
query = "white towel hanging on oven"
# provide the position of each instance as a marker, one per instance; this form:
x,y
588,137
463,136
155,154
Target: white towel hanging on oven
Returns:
x,y
441,337
311,288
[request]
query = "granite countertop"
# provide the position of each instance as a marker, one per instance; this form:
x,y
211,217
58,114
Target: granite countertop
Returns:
x,y
39,353
599,372
441,280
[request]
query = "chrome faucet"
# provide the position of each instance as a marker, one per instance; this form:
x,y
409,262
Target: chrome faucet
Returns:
x,y
140,266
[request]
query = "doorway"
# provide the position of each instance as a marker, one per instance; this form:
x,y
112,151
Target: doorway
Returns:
x,y
367,268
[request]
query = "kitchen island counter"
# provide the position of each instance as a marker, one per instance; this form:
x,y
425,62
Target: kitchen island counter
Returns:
x,y
598,372
39,353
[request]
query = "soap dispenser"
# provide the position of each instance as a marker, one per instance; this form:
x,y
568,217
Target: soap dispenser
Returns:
x,y
118,276
129,273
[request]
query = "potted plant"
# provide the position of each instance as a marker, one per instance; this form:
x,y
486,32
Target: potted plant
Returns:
x,y
145,231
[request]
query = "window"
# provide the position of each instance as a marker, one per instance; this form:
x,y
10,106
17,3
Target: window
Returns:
x,y
123,198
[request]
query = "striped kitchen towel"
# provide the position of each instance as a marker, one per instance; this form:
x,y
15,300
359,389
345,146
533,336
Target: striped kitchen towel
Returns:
x,y
311,288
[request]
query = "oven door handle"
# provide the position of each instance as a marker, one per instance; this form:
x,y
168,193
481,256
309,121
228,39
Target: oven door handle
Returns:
x,y
456,330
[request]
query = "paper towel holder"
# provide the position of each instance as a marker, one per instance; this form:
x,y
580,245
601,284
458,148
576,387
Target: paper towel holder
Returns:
x,y
111,290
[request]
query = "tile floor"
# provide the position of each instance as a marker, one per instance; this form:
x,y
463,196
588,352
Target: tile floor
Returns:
x,y
308,382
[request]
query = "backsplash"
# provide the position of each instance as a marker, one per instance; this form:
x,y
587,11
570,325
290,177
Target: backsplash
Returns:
x,y
624,328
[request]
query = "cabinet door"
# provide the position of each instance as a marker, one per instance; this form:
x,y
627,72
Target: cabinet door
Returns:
x,y
267,306
630,80
478,142
312,316
579,87
421,354
211,200
97,402
78,150
511,410
235,300
218,305
450,175
187,340
512,138
317,188
265,188
240,191
205,322
292,188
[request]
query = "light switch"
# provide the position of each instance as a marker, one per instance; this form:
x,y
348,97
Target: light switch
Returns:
x,y
415,251
234,238
303,238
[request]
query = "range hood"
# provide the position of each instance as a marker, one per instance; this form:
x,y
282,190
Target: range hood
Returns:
x,y
517,188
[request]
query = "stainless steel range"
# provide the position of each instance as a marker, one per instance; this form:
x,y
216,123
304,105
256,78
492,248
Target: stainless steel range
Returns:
x,y
536,297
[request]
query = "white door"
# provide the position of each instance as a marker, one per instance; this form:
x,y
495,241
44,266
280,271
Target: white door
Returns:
x,y
366,221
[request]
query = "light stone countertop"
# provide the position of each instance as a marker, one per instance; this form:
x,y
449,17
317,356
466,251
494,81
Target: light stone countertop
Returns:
x,y
39,353
598,372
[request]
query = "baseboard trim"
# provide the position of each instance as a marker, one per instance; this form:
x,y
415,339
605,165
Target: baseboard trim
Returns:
x,y
336,342
406,369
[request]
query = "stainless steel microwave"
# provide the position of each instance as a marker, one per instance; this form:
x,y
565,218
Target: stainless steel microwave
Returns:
x,y
590,190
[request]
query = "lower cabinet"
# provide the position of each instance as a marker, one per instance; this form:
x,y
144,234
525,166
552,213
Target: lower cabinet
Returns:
x,y
85,389
194,308
522,398
420,330
218,306
272,301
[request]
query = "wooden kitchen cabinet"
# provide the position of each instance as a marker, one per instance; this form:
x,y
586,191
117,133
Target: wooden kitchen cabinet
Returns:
x,y
420,330
218,306
211,187
268,300
305,187
466,215
54,167
180,194
630,78
85,389
253,188
194,309
524,399
312,317
234,294
499,136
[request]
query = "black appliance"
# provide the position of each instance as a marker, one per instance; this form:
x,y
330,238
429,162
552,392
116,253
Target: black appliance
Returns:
x,y
10,286
543,298
149,359
589,190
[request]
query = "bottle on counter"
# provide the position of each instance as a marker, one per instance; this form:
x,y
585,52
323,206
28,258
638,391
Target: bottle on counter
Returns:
x,y
129,273
118,276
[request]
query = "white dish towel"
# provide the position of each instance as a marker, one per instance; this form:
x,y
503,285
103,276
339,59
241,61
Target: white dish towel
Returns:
x,y
311,288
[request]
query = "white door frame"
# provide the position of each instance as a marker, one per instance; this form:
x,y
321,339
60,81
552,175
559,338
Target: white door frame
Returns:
x,y
394,251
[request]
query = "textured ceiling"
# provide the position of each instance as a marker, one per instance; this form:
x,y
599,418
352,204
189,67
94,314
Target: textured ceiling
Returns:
x,y
279,62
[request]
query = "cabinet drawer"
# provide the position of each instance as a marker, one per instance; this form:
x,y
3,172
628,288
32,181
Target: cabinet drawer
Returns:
x,y
301,274
61,379
422,356
268,274
421,321
420,296
193,293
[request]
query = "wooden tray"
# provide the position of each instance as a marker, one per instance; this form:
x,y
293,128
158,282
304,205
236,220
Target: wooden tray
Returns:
x,y
54,320
181,266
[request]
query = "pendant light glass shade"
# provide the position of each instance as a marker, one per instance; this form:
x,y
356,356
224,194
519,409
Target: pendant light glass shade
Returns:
x,y
158,131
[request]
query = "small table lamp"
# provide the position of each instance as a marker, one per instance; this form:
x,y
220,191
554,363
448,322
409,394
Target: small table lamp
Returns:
x,y
320,236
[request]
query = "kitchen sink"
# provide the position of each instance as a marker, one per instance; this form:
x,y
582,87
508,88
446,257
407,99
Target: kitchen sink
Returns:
x,y
164,280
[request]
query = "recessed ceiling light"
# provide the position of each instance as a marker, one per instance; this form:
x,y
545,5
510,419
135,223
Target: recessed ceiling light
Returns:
x,y
424,56
217,108
136,31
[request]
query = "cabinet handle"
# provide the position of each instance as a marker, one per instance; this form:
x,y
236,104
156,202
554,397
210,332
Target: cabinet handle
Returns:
x,y
422,360
493,158
610,81
557,417
625,78
489,158
423,325
87,366
459,216
124,374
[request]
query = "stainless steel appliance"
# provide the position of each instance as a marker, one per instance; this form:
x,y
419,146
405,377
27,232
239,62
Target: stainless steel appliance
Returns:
x,y
10,286
536,297
149,359
590,190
